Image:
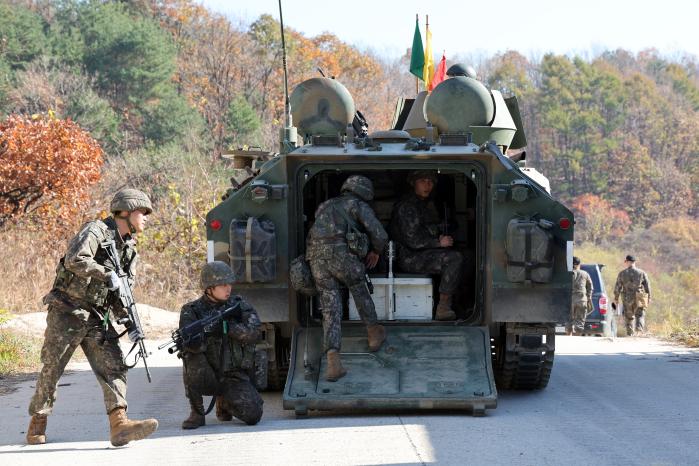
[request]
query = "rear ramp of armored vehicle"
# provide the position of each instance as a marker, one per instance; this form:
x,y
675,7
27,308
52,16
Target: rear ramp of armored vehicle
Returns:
x,y
418,367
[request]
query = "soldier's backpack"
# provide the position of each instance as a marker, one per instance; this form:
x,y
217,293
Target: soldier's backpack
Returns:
x,y
253,245
529,251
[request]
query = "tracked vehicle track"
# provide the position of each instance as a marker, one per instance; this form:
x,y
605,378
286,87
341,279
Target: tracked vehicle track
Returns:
x,y
523,360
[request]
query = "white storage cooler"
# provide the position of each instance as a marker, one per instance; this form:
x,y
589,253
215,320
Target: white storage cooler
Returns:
x,y
413,299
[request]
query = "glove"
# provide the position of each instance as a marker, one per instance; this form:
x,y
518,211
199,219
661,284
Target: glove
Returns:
x,y
114,283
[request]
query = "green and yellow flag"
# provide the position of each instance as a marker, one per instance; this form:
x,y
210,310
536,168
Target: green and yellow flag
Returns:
x,y
417,59
428,68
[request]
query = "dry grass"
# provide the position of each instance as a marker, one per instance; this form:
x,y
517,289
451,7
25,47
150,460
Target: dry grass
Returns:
x,y
18,353
27,268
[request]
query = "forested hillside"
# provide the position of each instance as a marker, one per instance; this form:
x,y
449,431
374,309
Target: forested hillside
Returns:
x,y
165,87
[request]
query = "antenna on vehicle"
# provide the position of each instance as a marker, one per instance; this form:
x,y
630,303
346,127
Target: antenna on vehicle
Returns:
x,y
288,135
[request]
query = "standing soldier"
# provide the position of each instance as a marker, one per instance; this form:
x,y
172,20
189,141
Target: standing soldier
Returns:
x,y
335,250
217,364
634,287
582,298
80,313
421,247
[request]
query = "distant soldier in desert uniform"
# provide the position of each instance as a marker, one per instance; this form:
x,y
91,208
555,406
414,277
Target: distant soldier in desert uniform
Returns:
x,y
81,309
422,247
582,298
634,287
346,237
219,364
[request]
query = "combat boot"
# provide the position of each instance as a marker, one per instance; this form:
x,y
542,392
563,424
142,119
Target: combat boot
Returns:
x,y
122,430
36,433
222,413
376,335
196,415
335,370
444,311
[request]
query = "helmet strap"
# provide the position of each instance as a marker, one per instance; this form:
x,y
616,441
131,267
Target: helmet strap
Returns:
x,y
210,296
127,217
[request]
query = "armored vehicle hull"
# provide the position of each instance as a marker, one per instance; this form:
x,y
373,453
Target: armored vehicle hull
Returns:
x,y
517,244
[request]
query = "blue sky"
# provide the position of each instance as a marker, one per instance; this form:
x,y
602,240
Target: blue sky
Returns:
x,y
464,28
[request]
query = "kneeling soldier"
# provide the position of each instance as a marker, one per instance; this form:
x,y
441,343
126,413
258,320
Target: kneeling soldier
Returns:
x,y
217,364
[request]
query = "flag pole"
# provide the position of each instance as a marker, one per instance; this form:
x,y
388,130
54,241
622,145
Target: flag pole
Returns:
x,y
417,80
427,28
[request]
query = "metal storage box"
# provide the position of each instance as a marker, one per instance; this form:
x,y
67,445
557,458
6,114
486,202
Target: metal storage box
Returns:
x,y
413,299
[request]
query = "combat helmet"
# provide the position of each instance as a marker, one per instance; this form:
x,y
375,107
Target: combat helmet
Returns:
x,y
359,185
420,174
216,273
130,199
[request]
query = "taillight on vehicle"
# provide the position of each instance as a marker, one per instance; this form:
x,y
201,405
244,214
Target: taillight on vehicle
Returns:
x,y
215,225
603,304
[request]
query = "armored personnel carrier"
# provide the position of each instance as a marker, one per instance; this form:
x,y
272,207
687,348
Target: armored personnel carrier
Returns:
x,y
517,240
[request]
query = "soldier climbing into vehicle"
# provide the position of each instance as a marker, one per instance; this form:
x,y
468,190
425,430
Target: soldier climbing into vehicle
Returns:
x,y
218,363
345,233
422,247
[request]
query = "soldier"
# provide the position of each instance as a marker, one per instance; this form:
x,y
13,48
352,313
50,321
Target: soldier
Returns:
x,y
335,252
633,285
421,247
217,365
582,298
80,313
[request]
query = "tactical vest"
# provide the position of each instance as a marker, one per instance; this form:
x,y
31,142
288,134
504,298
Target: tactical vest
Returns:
x,y
88,290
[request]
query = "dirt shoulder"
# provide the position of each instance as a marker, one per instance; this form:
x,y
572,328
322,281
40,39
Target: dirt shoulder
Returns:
x,y
157,323
21,338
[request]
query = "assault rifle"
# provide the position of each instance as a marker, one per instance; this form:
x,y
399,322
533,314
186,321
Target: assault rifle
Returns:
x,y
132,322
195,331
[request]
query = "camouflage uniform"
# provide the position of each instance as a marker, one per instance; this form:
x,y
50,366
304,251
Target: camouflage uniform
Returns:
x,y
415,227
334,265
582,299
629,282
77,305
219,366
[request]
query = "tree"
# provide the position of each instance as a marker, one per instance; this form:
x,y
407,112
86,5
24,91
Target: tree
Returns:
x,y
211,69
596,219
5,84
45,86
22,36
170,119
243,124
512,75
47,168
132,59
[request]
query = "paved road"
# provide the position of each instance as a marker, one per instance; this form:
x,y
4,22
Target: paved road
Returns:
x,y
632,401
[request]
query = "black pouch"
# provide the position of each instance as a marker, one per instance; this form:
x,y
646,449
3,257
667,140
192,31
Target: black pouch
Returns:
x,y
301,277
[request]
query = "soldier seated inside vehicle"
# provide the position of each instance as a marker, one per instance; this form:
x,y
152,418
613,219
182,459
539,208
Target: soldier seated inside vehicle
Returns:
x,y
429,217
424,244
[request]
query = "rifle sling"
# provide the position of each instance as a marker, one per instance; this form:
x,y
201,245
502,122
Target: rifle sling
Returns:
x,y
127,355
211,405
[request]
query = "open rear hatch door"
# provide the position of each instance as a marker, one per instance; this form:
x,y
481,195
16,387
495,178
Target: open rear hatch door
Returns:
x,y
418,367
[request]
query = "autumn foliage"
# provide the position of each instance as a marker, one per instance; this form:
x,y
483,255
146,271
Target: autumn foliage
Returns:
x,y
596,219
46,167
